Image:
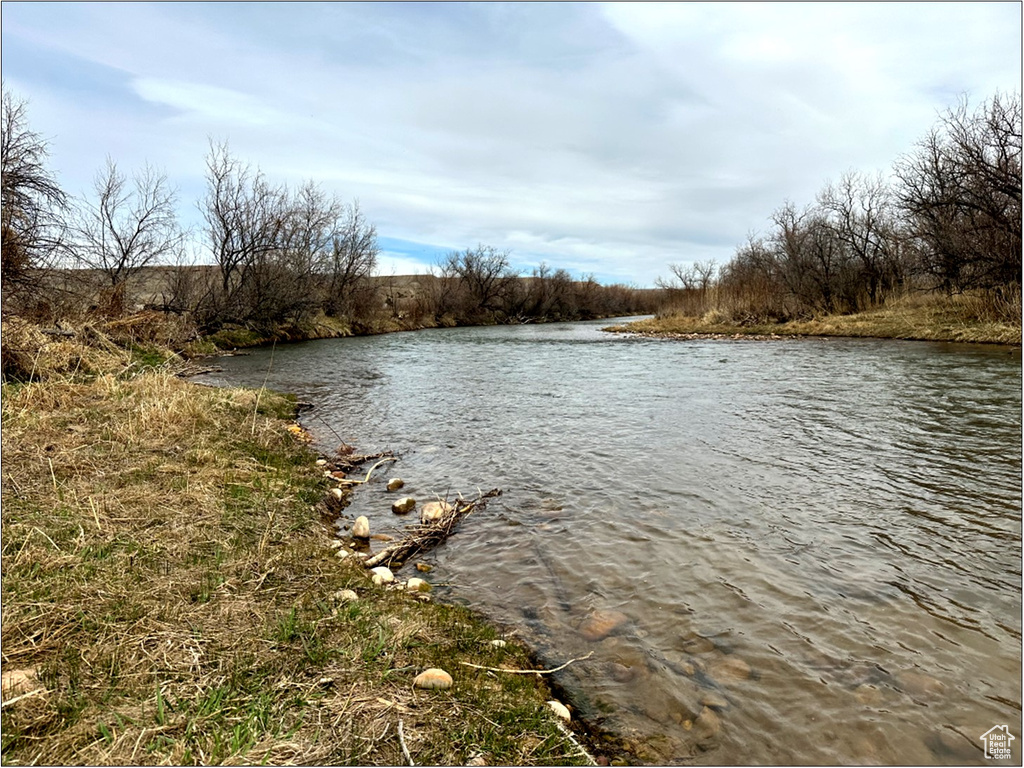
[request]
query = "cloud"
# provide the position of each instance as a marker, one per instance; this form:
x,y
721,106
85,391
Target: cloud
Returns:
x,y
611,139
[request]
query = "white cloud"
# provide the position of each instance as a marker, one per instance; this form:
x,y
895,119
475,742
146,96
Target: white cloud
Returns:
x,y
609,139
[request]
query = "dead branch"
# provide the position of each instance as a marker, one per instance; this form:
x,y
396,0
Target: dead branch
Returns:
x,y
427,536
401,740
366,479
348,462
527,671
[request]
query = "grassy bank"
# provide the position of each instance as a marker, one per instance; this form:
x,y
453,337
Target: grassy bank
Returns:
x,y
170,596
921,318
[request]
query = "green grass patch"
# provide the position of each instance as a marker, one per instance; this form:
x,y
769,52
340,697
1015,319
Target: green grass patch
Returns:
x,y
169,583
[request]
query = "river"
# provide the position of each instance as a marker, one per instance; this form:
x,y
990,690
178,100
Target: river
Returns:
x,y
804,551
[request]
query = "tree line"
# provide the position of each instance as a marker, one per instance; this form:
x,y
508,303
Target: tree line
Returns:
x,y
947,219
263,257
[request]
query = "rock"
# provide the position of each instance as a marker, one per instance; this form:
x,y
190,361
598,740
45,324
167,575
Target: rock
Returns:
x,y
868,695
694,643
336,544
404,505
342,553
321,462
714,700
382,575
498,643
919,684
730,668
361,528
346,596
16,682
707,724
395,483
478,760
433,678
622,673
338,494
382,537
417,585
433,511
424,568
599,624
560,709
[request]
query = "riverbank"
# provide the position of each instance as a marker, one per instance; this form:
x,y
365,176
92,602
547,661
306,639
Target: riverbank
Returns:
x,y
171,594
918,320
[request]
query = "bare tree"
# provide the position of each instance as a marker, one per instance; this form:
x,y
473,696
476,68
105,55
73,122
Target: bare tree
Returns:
x,y
863,216
485,273
961,190
128,225
33,204
351,262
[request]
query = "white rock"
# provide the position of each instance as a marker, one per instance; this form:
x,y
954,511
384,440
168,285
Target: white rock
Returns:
x,y
433,511
417,585
342,553
337,493
560,709
346,595
498,643
395,483
321,462
336,544
16,682
382,575
404,505
433,678
361,528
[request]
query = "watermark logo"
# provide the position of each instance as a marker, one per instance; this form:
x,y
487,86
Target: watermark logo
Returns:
x,y
997,742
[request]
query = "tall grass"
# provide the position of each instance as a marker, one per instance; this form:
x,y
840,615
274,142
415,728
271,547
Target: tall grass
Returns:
x,y
168,582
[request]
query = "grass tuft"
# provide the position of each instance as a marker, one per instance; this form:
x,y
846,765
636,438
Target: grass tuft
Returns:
x,y
167,576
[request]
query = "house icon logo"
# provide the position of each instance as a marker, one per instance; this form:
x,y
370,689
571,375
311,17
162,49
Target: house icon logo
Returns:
x,y
997,743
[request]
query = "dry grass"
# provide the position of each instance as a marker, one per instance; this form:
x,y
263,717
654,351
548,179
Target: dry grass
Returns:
x,y
168,578
921,317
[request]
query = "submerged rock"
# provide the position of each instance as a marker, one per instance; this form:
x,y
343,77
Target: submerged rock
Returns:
x,y
361,527
395,483
424,568
707,724
714,700
404,505
599,624
433,679
730,668
919,684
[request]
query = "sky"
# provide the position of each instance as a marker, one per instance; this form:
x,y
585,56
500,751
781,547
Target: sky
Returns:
x,y
606,139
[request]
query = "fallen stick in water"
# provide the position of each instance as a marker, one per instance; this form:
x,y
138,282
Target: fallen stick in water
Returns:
x,y
429,535
527,671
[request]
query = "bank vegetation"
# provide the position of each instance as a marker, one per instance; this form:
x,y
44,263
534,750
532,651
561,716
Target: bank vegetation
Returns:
x,y
930,251
266,260
171,596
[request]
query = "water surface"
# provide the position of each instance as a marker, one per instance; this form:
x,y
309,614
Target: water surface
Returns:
x,y
822,538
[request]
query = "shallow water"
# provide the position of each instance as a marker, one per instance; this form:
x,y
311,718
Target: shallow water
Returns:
x,y
825,534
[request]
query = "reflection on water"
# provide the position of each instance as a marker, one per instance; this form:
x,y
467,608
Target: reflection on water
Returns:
x,y
803,551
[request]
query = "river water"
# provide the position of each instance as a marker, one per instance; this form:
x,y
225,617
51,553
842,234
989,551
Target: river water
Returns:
x,y
803,551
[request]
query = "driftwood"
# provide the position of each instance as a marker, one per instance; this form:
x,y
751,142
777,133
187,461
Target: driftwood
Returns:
x,y
426,536
366,479
528,671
